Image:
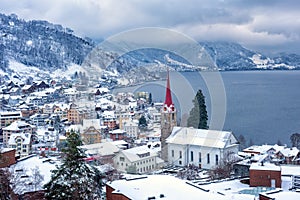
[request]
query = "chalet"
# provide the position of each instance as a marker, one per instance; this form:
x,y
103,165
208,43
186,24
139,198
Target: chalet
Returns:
x,y
91,135
203,148
288,156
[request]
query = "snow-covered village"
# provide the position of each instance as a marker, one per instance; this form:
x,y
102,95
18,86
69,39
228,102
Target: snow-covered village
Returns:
x,y
135,144
148,100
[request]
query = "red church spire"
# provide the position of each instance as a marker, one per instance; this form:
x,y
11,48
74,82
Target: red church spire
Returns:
x,y
168,99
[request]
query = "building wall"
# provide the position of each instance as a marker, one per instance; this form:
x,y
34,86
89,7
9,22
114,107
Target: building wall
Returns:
x,y
7,158
143,165
196,155
168,121
264,177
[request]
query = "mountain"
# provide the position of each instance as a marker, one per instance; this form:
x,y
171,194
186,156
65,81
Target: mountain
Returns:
x,y
42,49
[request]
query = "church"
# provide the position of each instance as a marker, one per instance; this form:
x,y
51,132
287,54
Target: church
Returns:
x,y
181,146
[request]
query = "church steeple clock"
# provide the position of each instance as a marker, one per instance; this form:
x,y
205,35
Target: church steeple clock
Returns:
x,y
168,120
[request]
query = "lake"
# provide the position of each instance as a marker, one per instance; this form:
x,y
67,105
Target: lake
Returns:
x,y
261,105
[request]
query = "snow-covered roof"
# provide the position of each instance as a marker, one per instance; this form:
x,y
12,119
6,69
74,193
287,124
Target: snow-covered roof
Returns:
x,y
102,149
263,148
28,164
6,150
18,125
265,166
200,137
289,152
117,131
26,137
278,194
160,187
134,154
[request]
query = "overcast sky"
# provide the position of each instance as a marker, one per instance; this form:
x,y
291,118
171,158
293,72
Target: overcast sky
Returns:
x,y
264,25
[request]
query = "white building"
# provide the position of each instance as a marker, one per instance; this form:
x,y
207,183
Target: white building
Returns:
x,y
203,148
131,127
138,160
22,142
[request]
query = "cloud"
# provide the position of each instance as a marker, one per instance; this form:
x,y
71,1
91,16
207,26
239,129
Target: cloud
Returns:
x,y
251,22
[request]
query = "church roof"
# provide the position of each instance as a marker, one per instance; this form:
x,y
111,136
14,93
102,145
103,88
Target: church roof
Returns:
x,y
201,137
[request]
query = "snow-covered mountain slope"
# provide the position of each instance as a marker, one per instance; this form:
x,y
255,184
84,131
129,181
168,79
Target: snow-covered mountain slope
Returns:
x,y
42,49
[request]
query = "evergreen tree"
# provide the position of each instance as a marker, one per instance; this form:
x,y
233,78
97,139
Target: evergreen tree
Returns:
x,y
74,178
150,99
142,122
198,115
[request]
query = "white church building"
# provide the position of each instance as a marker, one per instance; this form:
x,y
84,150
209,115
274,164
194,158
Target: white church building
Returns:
x,y
203,148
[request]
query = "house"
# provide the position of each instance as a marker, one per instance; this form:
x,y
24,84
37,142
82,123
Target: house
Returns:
x,y
7,157
117,134
76,114
91,135
263,149
288,156
142,159
157,187
6,118
17,127
265,175
21,142
131,127
109,120
104,152
200,147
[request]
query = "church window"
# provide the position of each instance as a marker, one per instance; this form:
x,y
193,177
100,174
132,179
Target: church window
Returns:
x,y
192,156
180,154
173,153
208,159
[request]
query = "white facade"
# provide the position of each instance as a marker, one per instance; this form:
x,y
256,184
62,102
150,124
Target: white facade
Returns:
x,y
137,160
203,148
21,142
131,127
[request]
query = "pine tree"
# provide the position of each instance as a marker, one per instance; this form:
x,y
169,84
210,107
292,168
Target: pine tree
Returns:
x,y
242,142
74,178
198,115
150,99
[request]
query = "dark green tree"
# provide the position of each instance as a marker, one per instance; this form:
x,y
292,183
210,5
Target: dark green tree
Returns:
x,y
142,122
198,115
150,99
74,178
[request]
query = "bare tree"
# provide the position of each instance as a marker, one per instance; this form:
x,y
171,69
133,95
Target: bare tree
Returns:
x,y
36,179
225,168
295,140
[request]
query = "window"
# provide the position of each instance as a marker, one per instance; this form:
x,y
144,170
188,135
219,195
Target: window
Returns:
x,y
199,157
208,159
192,156
217,159
173,153
122,159
180,154
180,163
